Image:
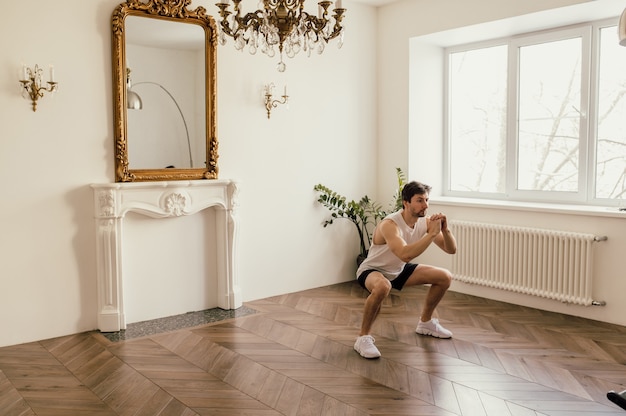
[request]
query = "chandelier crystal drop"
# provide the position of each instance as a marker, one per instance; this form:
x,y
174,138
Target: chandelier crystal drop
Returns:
x,y
283,24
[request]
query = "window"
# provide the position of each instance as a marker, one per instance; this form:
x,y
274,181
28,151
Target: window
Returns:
x,y
538,117
477,107
610,160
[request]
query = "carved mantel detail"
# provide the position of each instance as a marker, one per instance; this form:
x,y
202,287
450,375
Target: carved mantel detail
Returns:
x,y
175,203
160,200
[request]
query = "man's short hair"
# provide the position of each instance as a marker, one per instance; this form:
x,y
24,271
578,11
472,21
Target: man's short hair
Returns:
x,y
414,188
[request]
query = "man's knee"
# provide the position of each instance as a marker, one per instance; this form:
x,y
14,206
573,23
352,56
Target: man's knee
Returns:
x,y
381,288
446,278
441,277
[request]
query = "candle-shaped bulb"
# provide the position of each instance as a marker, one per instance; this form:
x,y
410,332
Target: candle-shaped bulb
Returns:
x,y
24,73
285,93
51,73
339,4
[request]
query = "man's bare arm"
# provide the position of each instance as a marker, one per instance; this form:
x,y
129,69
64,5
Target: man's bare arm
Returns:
x,y
445,240
406,252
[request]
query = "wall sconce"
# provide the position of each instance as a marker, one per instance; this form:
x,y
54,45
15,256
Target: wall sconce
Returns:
x,y
32,84
270,102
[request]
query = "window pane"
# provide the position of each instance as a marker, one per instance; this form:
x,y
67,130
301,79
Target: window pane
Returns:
x,y
477,119
611,128
549,116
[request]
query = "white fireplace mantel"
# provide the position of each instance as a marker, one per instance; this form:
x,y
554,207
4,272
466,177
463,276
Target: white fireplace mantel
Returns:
x,y
160,200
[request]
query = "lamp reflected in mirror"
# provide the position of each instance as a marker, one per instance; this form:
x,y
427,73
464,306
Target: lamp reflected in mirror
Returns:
x,y
621,29
134,102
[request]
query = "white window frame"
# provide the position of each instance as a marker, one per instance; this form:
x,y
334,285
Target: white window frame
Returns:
x,y
589,64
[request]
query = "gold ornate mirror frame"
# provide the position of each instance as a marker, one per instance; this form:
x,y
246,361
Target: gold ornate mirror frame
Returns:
x,y
177,11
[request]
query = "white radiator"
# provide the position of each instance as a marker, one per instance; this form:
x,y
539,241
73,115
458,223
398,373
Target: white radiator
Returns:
x,y
551,264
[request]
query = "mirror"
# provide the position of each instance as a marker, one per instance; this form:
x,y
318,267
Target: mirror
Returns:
x,y
164,82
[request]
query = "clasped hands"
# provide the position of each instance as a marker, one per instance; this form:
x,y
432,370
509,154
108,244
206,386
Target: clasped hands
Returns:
x,y
437,223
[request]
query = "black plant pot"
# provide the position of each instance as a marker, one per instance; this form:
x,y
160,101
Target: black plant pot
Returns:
x,y
360,258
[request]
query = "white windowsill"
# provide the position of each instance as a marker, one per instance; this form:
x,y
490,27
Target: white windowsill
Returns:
x,y
587,210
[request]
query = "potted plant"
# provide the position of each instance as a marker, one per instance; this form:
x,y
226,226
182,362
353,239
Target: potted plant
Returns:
x,y
364,213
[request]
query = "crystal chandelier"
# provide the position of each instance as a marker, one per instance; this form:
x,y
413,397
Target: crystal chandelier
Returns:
x,y
283,23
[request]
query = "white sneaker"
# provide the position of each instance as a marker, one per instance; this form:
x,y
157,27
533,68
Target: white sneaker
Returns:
x,y
433,328
364,345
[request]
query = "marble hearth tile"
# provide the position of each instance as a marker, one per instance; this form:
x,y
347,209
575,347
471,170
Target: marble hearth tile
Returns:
x,y
172,323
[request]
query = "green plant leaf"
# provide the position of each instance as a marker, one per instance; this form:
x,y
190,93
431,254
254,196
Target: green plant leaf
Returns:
x,y
365,213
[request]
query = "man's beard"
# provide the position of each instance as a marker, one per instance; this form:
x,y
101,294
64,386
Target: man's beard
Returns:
x,y
419,214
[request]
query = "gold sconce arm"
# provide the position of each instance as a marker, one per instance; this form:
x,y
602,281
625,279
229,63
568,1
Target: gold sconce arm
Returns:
x,y
271,103
32,84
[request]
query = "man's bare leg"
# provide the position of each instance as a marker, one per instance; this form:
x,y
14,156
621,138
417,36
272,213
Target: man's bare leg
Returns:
x,y
379,288
439,280
433,297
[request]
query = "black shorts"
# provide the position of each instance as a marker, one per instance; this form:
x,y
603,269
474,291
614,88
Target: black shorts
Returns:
x,y
398,282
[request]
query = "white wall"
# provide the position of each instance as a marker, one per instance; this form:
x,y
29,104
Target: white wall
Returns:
x,y
49,158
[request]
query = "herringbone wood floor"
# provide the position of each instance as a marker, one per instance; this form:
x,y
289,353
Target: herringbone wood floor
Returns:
x,y
295,357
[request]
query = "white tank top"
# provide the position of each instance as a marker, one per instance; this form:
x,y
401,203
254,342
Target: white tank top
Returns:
x,y
381,258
